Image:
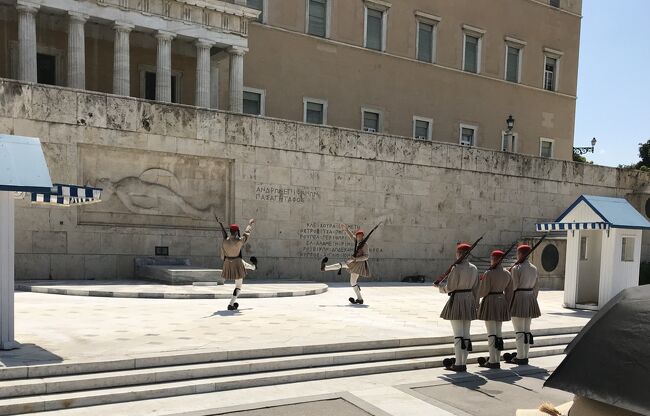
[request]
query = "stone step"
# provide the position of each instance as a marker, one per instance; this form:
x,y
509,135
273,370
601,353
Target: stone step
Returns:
x,y
61,384
57,401
209,356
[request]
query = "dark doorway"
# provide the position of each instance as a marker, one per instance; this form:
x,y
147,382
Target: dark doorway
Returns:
x,y
150,86
46,69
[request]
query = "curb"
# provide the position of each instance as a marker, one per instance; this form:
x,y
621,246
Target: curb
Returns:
x,y
160,295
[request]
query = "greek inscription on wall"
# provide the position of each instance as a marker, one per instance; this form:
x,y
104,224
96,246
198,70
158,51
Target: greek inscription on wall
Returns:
x,y
319,239
286,194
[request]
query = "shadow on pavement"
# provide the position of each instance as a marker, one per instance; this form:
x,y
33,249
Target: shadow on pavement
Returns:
x,y
28,354
226,312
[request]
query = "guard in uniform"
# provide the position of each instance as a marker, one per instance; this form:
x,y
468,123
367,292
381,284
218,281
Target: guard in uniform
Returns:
x,y
462,286
357,265
234,267
522,296
494,308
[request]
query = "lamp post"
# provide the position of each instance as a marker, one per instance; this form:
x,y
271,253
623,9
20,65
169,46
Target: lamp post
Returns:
x,y
585,150
510,124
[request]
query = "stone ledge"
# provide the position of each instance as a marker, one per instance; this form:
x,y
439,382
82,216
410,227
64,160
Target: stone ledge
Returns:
x,y
139,289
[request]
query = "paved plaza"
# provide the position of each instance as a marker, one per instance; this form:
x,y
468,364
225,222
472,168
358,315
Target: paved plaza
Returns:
x,y
54,328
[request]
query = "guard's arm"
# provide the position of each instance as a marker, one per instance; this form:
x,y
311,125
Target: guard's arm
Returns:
x,y
248,230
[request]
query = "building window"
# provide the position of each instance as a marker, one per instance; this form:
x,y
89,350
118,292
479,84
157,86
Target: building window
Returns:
x,y
583,248
317,17
627,249
253,101
422,128
150,86
375,29
509,142
550,73
467,135
315,111
425,42
371,121
257,5
554,3
45,69
546,147
472,53
513,63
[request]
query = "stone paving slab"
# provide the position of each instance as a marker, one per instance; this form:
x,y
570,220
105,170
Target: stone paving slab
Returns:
x,y
144,289
54,328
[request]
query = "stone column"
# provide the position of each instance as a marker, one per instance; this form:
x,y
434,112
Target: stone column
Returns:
x,y
236,85
76,50
121,63
7,239
164,66
27,41
203,73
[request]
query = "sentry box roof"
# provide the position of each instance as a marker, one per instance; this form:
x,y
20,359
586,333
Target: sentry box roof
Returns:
x,y
22,165
591,212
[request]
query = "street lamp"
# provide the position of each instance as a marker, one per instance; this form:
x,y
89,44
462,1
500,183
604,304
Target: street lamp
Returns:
x,y
585,150
510,124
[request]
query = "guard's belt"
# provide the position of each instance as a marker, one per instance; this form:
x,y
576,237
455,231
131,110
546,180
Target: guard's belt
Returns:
x,y
460,291
495,293
524,290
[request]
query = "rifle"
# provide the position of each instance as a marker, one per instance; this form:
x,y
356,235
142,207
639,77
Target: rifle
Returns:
x,y
530,252
360,244
505,254
444,276
223,230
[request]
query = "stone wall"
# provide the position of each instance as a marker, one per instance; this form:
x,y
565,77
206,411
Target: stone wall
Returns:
x,y
169,169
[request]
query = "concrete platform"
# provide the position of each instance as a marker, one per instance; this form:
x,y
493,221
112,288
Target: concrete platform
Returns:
x,y
145,289
175,271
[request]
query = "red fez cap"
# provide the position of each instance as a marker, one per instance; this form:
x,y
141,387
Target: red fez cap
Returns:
x,y
463,247
234,227
524,247
359,231
497,253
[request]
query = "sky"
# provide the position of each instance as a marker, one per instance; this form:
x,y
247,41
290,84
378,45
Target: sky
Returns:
x,y
614,80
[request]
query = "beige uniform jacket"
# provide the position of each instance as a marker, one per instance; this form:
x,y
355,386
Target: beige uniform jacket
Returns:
x,y
461,306
359,264
494,305
522,291
233,267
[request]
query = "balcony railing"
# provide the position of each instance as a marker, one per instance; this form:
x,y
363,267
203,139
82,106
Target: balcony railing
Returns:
x,y
215,14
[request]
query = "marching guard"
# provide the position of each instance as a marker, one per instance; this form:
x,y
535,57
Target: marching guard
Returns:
x,y
357,265
461,283
234,266
494,308
522,297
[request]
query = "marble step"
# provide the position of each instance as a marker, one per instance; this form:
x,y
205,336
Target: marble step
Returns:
x,y
76,399
209,356
61,384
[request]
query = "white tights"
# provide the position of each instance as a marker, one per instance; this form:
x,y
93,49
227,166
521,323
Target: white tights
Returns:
x,y
522,331
235,293
494,331
461,337
353,277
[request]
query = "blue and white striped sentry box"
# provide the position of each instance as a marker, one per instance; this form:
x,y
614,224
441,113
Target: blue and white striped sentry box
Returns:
x,y
65,195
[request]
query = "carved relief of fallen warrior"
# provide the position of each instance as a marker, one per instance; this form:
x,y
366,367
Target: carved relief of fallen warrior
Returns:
x,y
143,197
